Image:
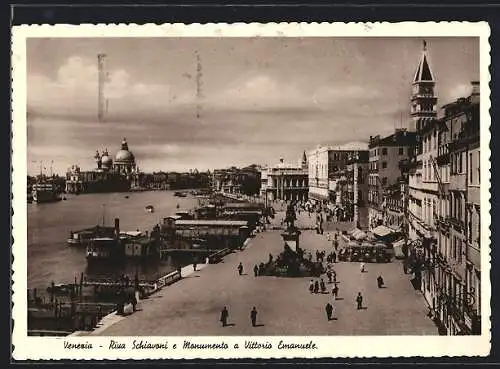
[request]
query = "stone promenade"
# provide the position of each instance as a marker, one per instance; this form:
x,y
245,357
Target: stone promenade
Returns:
x,y
285,306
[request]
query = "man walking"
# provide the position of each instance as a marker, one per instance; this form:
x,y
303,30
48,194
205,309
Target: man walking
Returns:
x,y
311,286
359,301
329,275
335,291
224,314
253,316
240,268
329,311
256,270
380,281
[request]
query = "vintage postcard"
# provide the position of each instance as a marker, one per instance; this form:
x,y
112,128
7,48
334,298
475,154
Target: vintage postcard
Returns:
x,y
251,190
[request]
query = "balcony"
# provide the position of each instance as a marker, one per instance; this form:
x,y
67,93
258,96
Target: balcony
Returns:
x,y
457,182
474,254
458,225
443,156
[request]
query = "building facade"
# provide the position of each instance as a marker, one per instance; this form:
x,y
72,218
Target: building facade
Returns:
x,y
353,185
325,166
385,157
423,183
444,205
237,181
285,181
458,220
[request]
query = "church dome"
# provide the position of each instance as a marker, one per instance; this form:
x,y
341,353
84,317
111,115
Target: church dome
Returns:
x,y
106,160
124,155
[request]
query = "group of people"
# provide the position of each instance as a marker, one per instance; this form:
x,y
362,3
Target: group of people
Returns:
x,y
224,316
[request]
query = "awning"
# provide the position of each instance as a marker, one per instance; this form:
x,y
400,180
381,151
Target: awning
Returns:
x,y
398,248
382,231
399,243
358,234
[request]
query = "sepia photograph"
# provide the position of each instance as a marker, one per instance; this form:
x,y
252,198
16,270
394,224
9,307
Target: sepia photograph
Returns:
x,y
253,186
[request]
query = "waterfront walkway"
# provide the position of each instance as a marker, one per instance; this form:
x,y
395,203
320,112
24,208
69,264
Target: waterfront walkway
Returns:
x,y
192,306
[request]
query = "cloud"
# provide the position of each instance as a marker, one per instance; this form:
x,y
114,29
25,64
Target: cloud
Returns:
x,y
458,91
74,90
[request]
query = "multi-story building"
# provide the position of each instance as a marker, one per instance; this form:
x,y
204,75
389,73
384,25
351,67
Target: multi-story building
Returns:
x,y
284,181
353,185
444,204
423,184
325,164
458,253
237,180
385,156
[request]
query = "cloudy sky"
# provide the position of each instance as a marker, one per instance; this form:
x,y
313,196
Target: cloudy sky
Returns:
x,y
258,99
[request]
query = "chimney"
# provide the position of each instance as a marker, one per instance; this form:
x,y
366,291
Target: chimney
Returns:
x,y
475,91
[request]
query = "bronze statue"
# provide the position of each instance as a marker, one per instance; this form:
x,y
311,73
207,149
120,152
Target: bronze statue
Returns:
x,y
290,216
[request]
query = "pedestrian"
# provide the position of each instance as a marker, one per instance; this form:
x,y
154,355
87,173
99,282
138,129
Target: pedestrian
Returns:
x,y
316,287
336,243
329,310
256,270
334,275
359,301
334,257
335,291
240,269
253,316
311,286
380,281
322,285
270,258
224,314
405,267
362,267
194,266
329,275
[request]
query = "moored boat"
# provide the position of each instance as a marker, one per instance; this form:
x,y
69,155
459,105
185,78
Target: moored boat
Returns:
x,y
45,192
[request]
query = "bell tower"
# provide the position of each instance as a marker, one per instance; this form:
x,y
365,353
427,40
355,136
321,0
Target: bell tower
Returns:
x,y
423,98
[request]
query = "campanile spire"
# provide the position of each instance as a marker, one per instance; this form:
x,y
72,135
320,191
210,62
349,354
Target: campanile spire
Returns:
x,y
423,99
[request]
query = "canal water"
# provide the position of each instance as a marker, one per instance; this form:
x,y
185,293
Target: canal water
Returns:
x,y
51,259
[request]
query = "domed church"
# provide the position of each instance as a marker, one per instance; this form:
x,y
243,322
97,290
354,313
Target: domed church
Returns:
x,y
124,162
111,175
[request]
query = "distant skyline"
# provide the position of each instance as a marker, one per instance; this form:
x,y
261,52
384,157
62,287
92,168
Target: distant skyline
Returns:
x,y
252,101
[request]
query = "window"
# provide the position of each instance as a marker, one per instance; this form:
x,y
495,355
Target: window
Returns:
x,y
470,168
384,164
384,151
384,181
409,151
478,167
460,163
459,250
401,151
470,228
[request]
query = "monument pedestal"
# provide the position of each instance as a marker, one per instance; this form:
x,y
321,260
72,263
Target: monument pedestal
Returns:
x,y
291,238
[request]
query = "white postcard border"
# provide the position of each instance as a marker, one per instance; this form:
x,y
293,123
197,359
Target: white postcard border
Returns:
x,y
50,348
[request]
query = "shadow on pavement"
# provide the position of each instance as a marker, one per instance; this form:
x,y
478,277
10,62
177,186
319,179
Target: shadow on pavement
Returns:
x,y
259,325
